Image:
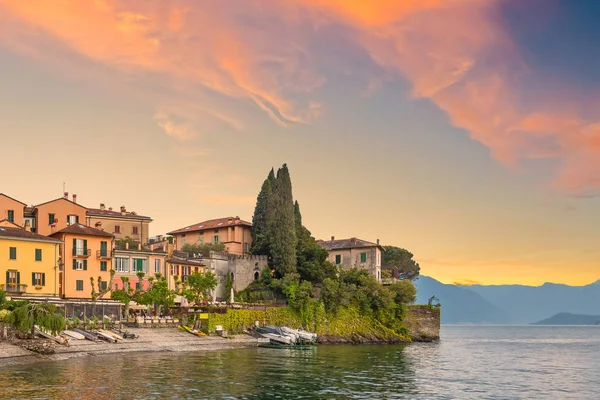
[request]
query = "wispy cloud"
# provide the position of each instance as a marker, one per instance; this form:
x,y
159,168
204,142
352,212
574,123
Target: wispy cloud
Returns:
x,y
456,53
229,200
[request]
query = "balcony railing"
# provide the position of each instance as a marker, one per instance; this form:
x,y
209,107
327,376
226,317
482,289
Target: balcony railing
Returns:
x,y
14,288
102,254
81,252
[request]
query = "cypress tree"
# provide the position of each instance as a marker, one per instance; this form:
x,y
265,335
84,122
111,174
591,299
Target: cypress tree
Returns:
x,y
260,240
281,224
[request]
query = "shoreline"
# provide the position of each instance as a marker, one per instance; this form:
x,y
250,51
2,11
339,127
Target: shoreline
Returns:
x,y
149,341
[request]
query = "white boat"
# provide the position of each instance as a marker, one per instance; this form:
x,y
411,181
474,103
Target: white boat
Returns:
x,y
106,337
74,335
57,339
304,335
278,339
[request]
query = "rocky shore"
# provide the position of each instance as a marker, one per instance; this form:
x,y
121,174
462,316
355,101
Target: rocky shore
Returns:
x,y
150,340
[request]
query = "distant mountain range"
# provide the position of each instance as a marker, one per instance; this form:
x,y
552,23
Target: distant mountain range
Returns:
x,y
508,304
570,319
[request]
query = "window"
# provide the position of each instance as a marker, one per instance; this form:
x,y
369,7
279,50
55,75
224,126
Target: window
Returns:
x,y
134,230
72,219
117,229
246,247
50,219
139,265
13,278
11,216
80,247
256,276
121,264
38,254
116,286
103,285
338,259
80,265
13,253
103,267
201,239
157,266
363,257
138,285
216,239
79,285
103,249
38,279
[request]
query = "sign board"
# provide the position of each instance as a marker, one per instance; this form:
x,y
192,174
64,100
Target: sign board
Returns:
x,y
204,316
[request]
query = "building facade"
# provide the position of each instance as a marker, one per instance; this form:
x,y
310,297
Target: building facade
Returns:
x,y
121,223
55,215
232,231
129,262
11,210
353,252
85,254
30,263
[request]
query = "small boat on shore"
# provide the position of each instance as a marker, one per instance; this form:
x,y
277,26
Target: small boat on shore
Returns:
x,y
73,335
110,333
106,337
88,335
304,336
288,346
276,336
57,339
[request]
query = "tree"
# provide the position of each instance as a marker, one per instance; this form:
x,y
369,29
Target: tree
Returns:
x,y
199,285
159,294
43,315
204,248
260,241
124,295
403,260
281,225
127,240
102,291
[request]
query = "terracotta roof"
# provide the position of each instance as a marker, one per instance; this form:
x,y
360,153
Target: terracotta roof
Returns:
x,y
79,229
2,194
186,261
29,210
13,225
96,212
60,198
19,233
212,224
352,243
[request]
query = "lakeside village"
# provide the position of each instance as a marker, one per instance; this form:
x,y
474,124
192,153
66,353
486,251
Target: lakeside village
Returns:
x,y
74,272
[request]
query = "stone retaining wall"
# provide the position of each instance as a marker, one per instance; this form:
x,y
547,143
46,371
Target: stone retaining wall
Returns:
x,y
423,323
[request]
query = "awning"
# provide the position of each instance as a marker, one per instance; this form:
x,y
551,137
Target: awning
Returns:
x,y
135,306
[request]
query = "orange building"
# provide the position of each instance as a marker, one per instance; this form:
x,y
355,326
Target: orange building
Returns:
x,y
85,253
120,223
55,215
232,231
11,211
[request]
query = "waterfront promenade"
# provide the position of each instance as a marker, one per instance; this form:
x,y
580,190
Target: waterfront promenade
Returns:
x,y
150,340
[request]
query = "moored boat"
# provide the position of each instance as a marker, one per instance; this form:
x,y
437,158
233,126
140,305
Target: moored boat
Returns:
x,y
73,335
110,333
88,335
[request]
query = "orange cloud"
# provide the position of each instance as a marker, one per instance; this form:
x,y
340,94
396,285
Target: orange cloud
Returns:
x,y
455,53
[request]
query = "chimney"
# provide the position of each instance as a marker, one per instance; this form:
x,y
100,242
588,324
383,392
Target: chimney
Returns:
x,y
230,221
27,226
66,195
126,245
332,238
377,242
102,207
109,208
123,210
237,219
74,198
353,241
99,225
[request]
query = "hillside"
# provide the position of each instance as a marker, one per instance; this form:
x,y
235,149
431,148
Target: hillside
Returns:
x,y
570,319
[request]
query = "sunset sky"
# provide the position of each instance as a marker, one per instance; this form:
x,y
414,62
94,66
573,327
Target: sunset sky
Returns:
x,y
466,131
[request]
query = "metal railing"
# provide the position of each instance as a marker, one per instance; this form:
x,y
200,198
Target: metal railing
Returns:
x,y
14,288
104,254
77,252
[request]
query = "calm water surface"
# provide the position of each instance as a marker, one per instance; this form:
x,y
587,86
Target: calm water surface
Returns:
x,y
469,363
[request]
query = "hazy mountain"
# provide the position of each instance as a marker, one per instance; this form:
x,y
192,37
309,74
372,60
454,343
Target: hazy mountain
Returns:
x,y
459,304
527,304
570,319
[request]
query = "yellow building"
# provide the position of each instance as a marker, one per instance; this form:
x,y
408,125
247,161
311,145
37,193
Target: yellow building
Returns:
x,y
29,263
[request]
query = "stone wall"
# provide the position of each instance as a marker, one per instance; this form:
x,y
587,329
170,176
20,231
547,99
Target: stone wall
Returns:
x,y
423,323
241,269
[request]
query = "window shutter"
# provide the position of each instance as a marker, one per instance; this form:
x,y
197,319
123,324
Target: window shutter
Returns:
x,y
18,278
7,277
85,247
85,265
43,279
74,264
74,245
33,278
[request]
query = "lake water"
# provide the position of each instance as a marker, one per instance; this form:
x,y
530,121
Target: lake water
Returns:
x,y
475,362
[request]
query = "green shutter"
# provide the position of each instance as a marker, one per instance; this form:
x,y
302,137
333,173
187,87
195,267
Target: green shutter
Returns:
x,y
43,279
7,277
18,278
85,247
50,219
338,259
363,257
74,264
85,265
74,246
13,253
38,254
103,266
33,279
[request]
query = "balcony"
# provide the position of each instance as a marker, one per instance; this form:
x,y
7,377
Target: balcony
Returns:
x,y
81,253
13,288
104,254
